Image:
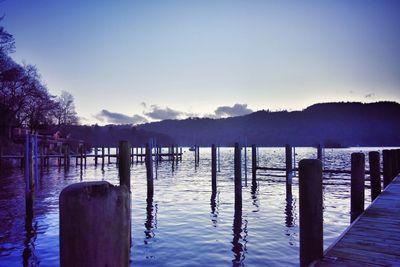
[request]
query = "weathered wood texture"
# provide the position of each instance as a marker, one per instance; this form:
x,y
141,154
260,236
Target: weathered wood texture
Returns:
x,y
374,238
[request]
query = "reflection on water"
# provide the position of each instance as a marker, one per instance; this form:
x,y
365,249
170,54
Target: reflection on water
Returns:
x,y
28,254
176,215
150,223
214,202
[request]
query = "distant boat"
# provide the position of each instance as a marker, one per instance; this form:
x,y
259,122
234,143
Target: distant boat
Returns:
x,y
192,148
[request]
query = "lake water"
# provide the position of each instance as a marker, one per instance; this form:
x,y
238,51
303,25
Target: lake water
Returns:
x,y
181,226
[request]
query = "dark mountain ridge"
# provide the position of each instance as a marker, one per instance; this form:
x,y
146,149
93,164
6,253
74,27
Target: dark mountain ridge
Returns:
x,y
331,124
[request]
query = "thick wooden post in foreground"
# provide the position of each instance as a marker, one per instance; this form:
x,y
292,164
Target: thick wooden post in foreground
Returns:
x,y
213,168
238,176
310,201
253,165
94,225
357,185
387,168
124,164
375,173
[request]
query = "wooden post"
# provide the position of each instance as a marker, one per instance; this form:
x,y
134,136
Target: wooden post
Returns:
x,y
84,152
319,152
375,173
65,156
95,156
387,168
288,153
195,155
94,225
213,168
310,202
149,169
124,165
254,165
245,164
395,168
238,176
102,158
357,184
398,160
81,163
219,158
109,157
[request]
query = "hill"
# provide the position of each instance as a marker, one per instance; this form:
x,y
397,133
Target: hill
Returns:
x,y
332,124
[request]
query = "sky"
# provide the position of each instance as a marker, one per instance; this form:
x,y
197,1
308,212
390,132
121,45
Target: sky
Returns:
x,y
137,61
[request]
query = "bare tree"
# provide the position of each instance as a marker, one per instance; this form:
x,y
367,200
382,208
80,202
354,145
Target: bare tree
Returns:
x,y
65,113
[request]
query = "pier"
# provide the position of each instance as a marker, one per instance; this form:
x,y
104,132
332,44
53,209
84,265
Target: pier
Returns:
x,y
374,238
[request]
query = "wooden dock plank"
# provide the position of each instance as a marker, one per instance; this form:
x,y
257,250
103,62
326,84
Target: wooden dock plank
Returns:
x,y
374,238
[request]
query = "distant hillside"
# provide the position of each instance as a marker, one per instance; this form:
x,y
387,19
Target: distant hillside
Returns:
x,y
332,124
110,135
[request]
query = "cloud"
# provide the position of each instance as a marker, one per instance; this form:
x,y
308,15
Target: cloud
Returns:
x,y
119,118
235,110
158,113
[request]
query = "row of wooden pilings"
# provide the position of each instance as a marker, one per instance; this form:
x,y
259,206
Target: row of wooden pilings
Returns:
x,y
311,201
95,216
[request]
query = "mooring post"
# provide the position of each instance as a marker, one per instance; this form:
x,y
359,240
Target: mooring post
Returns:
x,y
254,165
84,153
219,158
310,202
102,158
395,168
94,225
108,157
149,169
375,173
357,184
398,160
95,156
81,163
387,168
238,176
213,168
245,163
288,153
319,152
124,164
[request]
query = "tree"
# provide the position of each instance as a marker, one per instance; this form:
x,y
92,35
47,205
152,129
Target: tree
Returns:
x,y
65,113
7,42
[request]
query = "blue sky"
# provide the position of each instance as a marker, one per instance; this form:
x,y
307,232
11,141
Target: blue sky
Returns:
x,y
129,61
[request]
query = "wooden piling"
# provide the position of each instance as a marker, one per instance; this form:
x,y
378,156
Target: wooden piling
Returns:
x,y
395,163
357,185
81,157
289,167
238,176
102,158
95,156
149,169
387,168
94,225
310,205
124,164
213,168
109,156
375,173
319,152
254,165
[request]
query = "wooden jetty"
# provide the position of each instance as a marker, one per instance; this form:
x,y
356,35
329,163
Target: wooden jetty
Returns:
x,y
374,238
